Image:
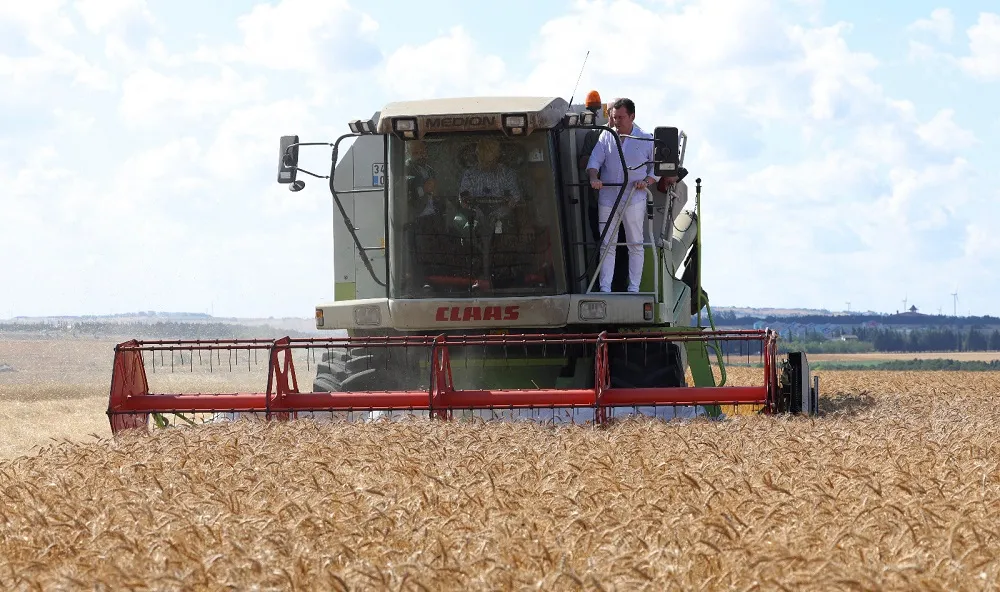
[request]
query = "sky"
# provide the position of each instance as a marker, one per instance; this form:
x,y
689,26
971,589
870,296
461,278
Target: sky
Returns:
x,y
848,149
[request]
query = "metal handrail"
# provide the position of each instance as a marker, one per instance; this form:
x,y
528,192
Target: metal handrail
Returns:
x,y
616,220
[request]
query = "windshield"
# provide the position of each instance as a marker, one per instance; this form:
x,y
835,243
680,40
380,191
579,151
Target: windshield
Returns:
x,y
474,214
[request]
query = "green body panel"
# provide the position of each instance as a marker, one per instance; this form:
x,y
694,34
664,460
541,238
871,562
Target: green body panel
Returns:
x,y
701,370
345,291
698,361
648,271
583,377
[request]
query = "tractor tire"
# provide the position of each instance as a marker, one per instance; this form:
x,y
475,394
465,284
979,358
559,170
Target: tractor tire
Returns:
x,y
363,369
359,369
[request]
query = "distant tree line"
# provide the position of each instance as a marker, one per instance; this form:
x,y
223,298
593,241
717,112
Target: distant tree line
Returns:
x,y
882,339
936,339
750,349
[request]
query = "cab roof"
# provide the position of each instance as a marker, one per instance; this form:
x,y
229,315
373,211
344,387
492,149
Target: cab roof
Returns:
x,y
473,113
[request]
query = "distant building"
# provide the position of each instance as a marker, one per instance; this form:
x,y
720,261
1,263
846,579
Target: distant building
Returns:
x,y
848,337
912,312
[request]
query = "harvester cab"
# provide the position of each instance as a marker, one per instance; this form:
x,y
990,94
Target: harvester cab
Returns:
x,y
460,214
466,270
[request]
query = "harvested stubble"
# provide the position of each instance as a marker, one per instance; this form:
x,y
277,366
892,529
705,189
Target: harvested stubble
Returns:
x,y
895,486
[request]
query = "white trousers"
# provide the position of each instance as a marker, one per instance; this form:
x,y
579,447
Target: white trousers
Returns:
x,y
633,218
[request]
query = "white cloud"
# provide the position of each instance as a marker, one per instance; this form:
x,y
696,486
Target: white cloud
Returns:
x,y
300,36
747,37
983,61
25,75
166,163
148,95
40,168
941,24
73,121
839,76
982,242
922,52
942,133
45,28
443,66
916,191
38,18
100,15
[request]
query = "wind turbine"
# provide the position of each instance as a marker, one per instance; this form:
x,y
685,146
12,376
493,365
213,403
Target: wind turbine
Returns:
x,y
954,296
848,307
904,302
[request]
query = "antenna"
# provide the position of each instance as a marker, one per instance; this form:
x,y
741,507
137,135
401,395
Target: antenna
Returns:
x,y
848,306
904,302
578,78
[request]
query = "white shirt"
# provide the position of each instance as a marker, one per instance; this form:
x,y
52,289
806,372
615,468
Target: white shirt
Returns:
x,y
497,182
606,161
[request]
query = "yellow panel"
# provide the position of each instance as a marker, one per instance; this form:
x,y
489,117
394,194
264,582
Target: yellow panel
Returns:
x,y
345,291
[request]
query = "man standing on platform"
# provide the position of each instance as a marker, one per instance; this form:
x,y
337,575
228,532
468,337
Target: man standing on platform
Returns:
x,y
604,161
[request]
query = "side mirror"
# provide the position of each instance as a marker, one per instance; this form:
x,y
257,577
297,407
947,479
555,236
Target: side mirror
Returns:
x,y
666,151
288,159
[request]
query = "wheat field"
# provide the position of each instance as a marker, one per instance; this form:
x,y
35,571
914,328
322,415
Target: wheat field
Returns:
x,y
894,486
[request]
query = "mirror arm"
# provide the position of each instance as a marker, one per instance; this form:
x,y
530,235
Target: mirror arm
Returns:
x,y
301,170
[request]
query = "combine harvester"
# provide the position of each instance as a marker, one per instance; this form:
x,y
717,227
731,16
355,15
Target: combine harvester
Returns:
x,y
466,269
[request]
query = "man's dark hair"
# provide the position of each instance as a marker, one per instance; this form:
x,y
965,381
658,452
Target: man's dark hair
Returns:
x,y
627,103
